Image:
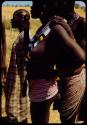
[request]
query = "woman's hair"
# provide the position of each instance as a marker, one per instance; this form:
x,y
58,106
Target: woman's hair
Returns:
x,y
20,18
21,14
54,7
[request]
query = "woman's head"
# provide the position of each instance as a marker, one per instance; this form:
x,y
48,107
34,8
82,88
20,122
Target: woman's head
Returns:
x,y
45,9
42,9
20,18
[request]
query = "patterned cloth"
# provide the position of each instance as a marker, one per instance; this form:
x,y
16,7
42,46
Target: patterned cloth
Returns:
x,y
72,94
17,104
42,89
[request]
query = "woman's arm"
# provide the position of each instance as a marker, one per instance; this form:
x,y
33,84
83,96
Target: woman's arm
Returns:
x,y
70,42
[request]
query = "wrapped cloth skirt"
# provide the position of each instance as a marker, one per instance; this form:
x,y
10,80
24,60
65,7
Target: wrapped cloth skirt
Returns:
x,y
72,90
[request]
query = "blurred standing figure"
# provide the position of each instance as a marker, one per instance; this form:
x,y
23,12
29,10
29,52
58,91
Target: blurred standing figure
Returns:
x,y
65,48
3,60
71,64
17,100
3,52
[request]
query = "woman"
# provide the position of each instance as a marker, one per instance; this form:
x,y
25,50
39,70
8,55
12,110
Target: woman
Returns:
x,y
72,69
62,48
17,99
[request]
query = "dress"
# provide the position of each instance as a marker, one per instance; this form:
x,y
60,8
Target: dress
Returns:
x,y
17,100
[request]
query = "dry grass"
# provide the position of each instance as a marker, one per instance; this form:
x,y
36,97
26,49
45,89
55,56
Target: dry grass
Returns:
x,y
81,12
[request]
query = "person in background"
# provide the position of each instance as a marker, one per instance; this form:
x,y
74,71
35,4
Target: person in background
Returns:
x,y
3,63
17,99
3,52
64,48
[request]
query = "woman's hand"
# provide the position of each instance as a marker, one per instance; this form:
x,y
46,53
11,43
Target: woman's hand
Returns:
x,y
63,22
